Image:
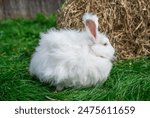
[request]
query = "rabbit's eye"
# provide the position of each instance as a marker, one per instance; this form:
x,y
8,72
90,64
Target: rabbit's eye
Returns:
x,y
105,44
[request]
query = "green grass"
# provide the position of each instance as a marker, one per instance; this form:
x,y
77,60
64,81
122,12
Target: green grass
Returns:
x,y
129,79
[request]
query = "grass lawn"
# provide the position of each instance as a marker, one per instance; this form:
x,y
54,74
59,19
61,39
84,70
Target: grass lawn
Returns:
x,y
129,79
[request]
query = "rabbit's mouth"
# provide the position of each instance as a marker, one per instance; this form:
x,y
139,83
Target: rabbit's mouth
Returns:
x,y
113,59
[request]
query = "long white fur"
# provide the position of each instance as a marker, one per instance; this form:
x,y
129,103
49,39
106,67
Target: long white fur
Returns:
x,y
68,58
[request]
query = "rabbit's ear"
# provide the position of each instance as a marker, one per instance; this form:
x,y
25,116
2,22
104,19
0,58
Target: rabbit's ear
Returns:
x,y
91,28
91,24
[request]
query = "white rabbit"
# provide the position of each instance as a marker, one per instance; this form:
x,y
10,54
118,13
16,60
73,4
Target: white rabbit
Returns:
x,y
72,58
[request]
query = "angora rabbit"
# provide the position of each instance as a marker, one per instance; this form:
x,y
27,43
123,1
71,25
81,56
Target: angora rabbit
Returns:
x,y
73,58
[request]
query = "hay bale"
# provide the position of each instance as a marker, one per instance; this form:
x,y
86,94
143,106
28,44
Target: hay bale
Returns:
x,y
127,22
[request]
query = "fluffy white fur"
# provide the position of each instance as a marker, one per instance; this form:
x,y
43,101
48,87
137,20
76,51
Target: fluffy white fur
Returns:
x,y
70,58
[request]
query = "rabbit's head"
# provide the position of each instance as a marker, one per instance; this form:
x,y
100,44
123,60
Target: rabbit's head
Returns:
x,y
101,44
